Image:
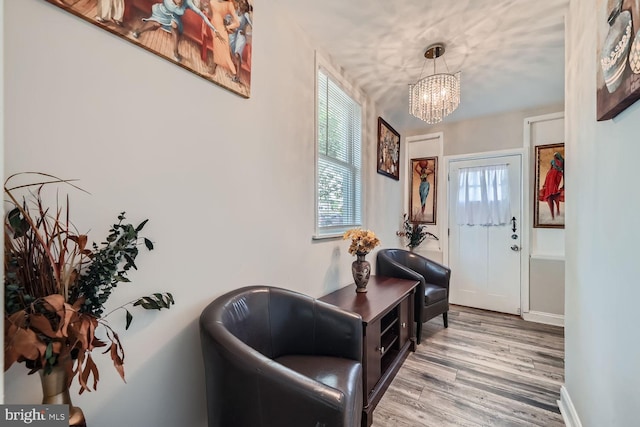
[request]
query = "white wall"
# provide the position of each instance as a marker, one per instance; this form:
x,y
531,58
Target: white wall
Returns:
x,y
227,183
546,289
490,133
602,349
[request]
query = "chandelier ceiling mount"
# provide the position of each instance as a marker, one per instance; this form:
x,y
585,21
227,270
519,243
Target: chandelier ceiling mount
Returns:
x,y
434,51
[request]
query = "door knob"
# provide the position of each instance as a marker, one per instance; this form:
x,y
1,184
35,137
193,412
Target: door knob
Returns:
x,y
515,248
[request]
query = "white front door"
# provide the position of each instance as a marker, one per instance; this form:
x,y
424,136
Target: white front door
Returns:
x,y
485,260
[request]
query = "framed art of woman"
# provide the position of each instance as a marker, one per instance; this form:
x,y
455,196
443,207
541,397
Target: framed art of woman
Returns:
x,y
549,203
422,190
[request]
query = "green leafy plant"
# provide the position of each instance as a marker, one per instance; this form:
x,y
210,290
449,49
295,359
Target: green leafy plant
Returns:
x,y
415,234
56,287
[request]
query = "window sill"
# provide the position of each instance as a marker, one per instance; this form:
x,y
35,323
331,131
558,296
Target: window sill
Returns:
x,y
319,238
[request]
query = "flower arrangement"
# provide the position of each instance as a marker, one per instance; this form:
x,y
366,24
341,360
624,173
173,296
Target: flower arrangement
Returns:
x,y
414,233
56,285
362,241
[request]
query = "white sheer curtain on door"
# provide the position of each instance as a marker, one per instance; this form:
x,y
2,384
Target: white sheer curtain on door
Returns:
x,y
483,195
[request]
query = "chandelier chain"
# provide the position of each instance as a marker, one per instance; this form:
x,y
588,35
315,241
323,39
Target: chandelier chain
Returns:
x,y
445,64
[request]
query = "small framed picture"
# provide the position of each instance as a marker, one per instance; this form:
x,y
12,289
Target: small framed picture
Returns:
x,y
388,159
549,188
422,190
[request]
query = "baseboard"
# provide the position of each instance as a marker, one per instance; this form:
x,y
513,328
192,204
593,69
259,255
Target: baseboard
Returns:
x,y
568,411
546,318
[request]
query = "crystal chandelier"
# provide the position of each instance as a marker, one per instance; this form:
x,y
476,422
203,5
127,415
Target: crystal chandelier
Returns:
x,y
436,96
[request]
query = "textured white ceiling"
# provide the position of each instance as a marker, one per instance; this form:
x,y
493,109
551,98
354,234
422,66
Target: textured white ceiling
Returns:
x,y
510,52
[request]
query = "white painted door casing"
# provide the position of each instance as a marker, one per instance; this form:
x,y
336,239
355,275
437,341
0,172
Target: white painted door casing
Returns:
x,y
486,260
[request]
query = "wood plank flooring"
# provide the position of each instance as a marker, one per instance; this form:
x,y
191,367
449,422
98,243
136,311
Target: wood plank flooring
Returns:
x,y
486,369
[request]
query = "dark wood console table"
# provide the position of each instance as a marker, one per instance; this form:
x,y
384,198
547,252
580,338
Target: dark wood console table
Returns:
x,y
389,333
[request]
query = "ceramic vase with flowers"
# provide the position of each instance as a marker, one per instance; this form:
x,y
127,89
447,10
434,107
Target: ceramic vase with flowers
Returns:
x,y
56,285
362,242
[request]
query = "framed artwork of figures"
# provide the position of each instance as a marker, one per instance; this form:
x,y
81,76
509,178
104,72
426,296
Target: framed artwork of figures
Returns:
x,y
618,75
423,190
549,188
388,159
210,38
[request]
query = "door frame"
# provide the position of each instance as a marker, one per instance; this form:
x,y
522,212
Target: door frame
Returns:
x,y
440,227
524,213
528,183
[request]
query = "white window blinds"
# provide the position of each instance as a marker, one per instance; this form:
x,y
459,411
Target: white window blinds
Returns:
x,y
483,195
338,160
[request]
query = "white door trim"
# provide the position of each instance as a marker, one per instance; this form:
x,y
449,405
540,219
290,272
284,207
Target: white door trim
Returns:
x,y
528,206
441,206
407,173
523,226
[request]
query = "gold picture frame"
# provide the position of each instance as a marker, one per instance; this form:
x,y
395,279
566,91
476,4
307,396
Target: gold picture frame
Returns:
x,y
549,187
423,192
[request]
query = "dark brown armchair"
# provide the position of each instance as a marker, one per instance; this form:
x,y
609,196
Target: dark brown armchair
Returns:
x,y
432,294
277,358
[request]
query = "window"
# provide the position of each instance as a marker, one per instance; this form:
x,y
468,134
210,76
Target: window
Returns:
x,y
338,159
483,195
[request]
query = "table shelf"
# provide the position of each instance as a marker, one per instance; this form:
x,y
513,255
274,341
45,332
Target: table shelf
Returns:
x,y
388,328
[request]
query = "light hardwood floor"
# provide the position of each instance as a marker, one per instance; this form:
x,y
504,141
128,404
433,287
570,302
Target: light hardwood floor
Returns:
x,y
486,369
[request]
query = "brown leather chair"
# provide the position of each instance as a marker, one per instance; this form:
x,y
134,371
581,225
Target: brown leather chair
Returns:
x,y
432,294
277,358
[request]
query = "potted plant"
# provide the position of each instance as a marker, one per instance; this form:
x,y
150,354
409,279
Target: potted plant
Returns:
x,y
414,234
56,285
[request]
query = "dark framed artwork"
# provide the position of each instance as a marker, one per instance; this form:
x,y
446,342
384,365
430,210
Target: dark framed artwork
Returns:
x,y
222,56
549,187
618,75
388,159
423,188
